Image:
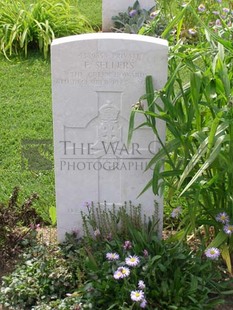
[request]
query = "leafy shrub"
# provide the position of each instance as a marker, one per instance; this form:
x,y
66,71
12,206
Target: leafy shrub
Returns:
x,y
132,20
12,217
196,105
173,275
45,275
24,24
88,274
68,303
184,279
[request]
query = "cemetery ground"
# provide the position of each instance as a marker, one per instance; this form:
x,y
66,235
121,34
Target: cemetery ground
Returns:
x,y
112,268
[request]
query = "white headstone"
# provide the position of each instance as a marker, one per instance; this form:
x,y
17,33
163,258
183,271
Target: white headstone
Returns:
x,y
96,78
112,8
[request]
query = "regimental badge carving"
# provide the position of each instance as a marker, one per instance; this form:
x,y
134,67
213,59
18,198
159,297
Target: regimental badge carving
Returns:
x,y
105,131
109,129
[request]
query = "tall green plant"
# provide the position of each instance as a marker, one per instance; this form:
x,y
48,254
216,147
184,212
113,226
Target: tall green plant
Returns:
x,y
196,105
24,24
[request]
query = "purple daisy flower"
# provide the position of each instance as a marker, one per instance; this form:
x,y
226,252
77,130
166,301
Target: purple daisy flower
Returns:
x,y
132,261
112,256
222,217
121,272
137,295
228,229
212,253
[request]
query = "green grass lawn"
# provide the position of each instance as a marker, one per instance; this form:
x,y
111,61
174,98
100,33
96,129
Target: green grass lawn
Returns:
x,y
26,116
92,10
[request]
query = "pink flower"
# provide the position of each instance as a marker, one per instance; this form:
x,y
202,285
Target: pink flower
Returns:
x,y
127,245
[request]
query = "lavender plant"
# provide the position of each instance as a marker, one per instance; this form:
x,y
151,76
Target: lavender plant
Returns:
x,y
107,223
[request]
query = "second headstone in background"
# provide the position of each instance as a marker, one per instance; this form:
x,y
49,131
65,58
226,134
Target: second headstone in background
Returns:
x,y
112,8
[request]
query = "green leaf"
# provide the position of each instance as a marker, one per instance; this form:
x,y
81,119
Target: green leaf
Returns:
x,y
195,83
148,185
170,146
226,256
131,126
215,152
53,215
212,134
218,240
192,163
174,22
150,96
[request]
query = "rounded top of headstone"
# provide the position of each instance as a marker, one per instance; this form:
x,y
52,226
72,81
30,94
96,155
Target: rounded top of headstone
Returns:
x,y
110,35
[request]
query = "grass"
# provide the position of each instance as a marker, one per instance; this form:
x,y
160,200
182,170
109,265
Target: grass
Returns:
x,y
92,10
26,114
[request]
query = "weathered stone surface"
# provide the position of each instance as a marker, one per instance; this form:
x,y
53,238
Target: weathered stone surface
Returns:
x,y
96,78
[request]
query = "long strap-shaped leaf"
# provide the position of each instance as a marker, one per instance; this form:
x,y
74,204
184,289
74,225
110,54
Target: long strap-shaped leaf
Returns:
x,y
208,162
203,148
150,96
